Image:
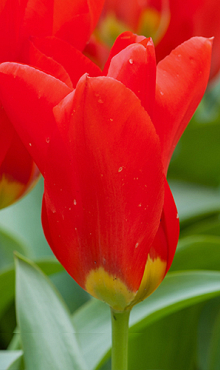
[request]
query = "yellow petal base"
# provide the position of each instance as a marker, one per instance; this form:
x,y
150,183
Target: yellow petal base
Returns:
x,y
10,191
153,275
110,289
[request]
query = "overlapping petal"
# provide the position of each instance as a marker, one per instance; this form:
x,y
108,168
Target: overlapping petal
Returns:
x,y
181,82
113,221
31,111
20,21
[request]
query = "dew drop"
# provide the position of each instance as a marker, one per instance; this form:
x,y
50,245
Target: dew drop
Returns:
x,y
74,202
70,208
136,245
161,93
120,169
177,216
47,140
76,228
111,119
30,144
131,61
139,205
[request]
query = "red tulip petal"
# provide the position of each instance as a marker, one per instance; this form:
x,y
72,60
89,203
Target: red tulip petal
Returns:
x,y
181,82
135,67
206,23
18,173
74,62
188,19
7,132
37,18
9,29
34,57
31,110
162,250
74,21
165,242
104,200
122,41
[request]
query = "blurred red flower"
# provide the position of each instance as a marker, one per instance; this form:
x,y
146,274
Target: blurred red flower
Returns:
x,y
72,21
168,22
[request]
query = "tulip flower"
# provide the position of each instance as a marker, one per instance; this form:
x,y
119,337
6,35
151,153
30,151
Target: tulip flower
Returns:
x,y
72,21
103,148
168,22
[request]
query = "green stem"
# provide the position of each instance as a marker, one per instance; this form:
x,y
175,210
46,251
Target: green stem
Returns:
x,y
120,339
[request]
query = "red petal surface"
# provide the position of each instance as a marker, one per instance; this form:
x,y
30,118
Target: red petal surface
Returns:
x,y
31,110
34,57
135,67
74,21
9,29
7,132
192,18
181,82
74,62
122,41
166,239
104,187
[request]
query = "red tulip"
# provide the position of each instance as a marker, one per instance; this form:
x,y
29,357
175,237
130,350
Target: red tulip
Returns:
x,y
104,148
72,21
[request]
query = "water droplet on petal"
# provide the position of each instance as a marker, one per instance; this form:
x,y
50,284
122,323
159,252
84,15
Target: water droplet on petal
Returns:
x,y
131,61
136,245
47,140
120,169
74,202
30,144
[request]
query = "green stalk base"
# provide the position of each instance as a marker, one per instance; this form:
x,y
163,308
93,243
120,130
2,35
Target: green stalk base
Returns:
x,y
120,322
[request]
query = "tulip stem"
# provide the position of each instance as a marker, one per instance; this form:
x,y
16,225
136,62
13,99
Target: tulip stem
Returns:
x,y
120,339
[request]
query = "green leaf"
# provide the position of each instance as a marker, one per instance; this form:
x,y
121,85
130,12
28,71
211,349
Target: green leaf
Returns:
x,y
208,336
208,226
197,253
73,295
194,201
47,334
9,244
177,291
199,142
7,281
7,358
23,219
169,344
214,353
18,364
